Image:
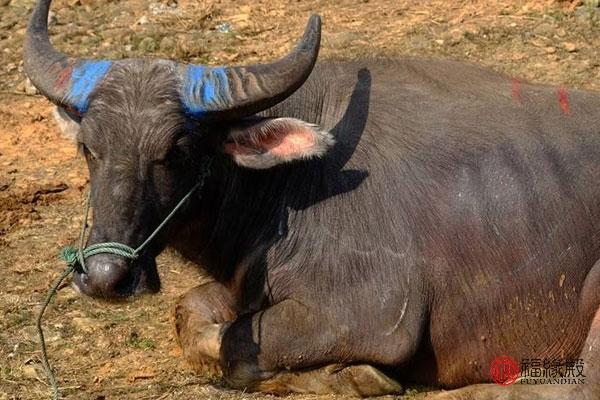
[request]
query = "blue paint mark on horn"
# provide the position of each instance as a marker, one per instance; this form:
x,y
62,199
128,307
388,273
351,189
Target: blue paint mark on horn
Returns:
x,y
85,77
221,76
208,94
204,89
191,88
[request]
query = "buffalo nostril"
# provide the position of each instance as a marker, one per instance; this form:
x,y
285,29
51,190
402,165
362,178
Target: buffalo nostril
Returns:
x,y
107,276
110,276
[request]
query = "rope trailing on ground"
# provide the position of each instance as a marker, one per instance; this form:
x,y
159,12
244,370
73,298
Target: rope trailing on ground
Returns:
x,y
75,260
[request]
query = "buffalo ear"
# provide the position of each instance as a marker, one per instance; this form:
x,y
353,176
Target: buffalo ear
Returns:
x,y
69,125
267,142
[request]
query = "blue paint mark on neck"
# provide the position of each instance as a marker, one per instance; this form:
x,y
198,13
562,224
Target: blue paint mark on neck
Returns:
x,y
205,89
85,77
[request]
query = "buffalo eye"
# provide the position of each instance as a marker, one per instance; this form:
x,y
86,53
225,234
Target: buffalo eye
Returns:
x,y
179,155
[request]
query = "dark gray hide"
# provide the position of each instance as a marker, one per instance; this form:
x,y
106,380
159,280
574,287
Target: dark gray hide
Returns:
x,y
455,219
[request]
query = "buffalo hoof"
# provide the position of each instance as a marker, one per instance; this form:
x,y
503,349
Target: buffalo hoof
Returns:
x,y
201,349
353,380
201,317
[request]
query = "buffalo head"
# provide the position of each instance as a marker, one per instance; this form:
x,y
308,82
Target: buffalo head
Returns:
x,y
143,127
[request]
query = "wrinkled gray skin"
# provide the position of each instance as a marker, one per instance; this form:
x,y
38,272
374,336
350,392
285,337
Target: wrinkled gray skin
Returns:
x,y
453,221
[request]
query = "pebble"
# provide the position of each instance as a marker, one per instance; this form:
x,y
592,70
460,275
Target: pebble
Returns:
x,y
191,46
544,29
147,45
167,44
570,47
30,372
224,27
27,87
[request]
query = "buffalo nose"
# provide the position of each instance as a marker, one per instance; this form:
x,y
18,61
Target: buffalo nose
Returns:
x,y
107,276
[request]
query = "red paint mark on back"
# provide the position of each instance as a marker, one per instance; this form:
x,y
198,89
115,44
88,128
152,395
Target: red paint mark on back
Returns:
x,y
516,90
563,100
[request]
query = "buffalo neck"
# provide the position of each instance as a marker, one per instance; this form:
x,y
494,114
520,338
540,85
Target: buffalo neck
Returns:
x,y
241,213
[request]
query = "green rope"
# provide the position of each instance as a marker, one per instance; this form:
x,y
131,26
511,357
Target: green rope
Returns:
x,y
75,258
49,296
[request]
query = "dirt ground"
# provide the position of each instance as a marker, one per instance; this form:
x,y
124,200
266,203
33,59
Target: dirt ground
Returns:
x,y
128,350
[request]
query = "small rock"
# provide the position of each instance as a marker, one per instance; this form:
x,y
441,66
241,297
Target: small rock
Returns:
x,y
147,45
29,372
68,293
550,50
440,42
570,47
224,27
190,46
29,88
51,17
143,20
167,44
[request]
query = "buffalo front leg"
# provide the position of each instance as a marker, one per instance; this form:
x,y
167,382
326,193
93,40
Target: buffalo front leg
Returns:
x,y
201,317
289,348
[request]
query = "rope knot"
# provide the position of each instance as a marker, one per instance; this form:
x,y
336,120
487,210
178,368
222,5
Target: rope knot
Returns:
x,y
69,255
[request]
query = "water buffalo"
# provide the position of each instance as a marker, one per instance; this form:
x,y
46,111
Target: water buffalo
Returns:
x,y
408,217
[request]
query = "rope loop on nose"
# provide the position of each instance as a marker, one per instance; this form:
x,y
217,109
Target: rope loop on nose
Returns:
x,y
72,257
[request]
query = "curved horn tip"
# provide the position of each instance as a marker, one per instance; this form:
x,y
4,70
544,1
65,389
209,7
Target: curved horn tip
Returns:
x,y
243,91
313,25
312,34
315,21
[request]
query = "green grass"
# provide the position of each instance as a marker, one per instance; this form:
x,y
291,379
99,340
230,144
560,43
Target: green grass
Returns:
x,y
137,342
